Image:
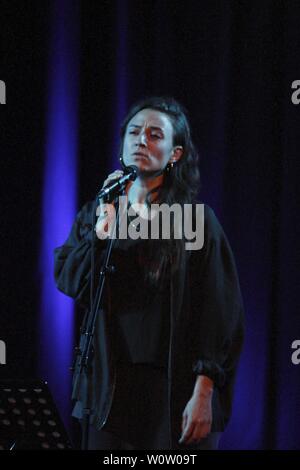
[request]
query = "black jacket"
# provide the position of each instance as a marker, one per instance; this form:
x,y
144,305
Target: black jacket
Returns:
x,y
206,315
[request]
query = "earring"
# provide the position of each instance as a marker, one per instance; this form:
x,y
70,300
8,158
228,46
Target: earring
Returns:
x,y
121,162
170,166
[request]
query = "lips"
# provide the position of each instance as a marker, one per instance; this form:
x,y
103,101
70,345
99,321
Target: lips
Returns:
x,y
140,154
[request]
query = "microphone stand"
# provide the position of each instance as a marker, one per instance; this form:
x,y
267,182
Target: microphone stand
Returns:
x,y
85,352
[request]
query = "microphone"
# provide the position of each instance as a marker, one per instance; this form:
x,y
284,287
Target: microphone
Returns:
x,y
115,188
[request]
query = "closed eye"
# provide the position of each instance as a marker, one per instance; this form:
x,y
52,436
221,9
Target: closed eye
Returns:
x,y
155,136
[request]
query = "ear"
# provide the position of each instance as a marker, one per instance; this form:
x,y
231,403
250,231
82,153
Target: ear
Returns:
x,y
176,154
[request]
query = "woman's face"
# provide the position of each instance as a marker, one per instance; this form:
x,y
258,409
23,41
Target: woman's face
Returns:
x,y
148,141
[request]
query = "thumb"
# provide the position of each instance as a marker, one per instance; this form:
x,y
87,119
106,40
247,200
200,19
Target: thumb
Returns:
x,y
183,422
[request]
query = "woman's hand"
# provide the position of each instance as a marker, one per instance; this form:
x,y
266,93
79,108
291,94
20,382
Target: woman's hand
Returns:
x,y
106,212
197,415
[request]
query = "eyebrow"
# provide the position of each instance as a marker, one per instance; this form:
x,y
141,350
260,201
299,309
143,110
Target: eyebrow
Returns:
x,y
151,127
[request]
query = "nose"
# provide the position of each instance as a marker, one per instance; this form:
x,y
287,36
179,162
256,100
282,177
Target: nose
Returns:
x,y
142,138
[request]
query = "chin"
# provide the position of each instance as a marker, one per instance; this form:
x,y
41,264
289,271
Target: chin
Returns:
x,y
142,164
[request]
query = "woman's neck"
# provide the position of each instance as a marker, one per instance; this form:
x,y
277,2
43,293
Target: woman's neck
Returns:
x,y
137,190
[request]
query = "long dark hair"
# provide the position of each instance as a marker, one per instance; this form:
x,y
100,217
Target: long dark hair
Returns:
x,y
181,183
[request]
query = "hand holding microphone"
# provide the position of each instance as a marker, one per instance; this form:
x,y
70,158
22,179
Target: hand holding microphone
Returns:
x,y
110,191
114,184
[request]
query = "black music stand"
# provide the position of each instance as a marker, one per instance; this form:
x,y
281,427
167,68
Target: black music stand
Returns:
x,y
29,418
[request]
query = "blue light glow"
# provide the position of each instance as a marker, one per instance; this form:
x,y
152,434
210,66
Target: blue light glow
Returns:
x,y
59,201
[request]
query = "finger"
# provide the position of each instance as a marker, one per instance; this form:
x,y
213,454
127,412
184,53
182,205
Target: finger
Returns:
x,y
194,437
183,423
200,432
113,176
117,172
188,431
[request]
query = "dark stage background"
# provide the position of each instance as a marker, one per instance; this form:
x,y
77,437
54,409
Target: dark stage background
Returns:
x,y
232,65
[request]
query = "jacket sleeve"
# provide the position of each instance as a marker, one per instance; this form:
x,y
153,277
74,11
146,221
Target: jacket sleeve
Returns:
x,y
72,260
217,306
